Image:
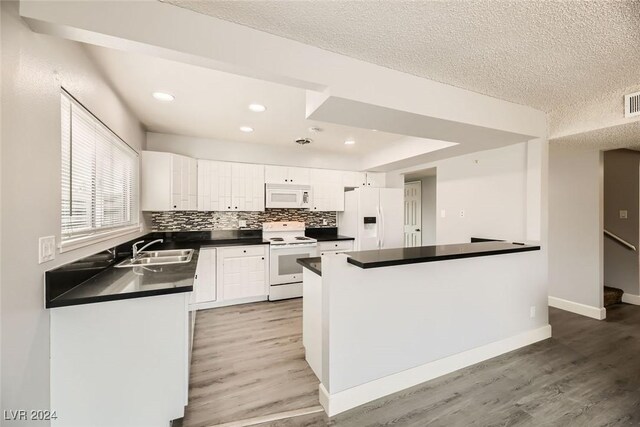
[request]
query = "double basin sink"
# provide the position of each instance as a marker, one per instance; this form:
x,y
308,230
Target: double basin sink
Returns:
x,y
172,256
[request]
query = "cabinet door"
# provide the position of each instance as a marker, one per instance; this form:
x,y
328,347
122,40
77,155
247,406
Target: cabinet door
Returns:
x,y
299,176
193,184
221,180
319,187
354,179
243,276
328,190
204,185
254,188
239,181
276,174
204,285
176,182
376,179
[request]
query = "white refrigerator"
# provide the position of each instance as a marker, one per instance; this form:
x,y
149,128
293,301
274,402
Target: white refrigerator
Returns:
x,y
374,217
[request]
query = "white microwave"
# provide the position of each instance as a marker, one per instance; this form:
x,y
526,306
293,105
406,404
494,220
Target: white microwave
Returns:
x,y
288,196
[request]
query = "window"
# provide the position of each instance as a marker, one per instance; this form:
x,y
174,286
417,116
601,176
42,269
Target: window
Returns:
x,y
99,179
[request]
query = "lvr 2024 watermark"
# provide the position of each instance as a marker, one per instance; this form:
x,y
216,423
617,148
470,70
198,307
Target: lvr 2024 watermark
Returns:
x,y
29,415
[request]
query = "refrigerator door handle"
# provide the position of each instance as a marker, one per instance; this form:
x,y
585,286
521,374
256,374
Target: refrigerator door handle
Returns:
x,y
382,227
378,220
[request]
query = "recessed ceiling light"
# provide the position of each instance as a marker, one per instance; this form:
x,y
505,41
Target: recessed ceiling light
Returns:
x,y
163,96
374,130
350,142
246,129
257,108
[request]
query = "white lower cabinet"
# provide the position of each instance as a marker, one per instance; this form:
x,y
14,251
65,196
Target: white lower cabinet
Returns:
x,y
231,275
334,247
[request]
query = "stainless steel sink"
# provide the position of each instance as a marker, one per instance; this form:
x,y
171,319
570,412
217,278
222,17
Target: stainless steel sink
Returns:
x,y
169,252
158,258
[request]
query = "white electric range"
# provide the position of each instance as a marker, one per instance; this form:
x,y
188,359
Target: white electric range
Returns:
x,y
287,243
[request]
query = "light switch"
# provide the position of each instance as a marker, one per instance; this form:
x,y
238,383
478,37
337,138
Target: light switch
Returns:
x,y
623,214
46,249
461,213
443,213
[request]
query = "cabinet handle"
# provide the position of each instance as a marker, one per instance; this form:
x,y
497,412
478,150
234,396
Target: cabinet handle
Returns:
x,y
236,207
336,245
175,206
196,277
244,252
228,207
263,258
286,180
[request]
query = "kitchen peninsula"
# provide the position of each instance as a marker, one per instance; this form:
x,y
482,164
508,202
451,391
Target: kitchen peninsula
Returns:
x,y
376,322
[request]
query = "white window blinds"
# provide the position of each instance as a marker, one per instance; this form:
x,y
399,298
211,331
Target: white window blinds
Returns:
x,y
99,177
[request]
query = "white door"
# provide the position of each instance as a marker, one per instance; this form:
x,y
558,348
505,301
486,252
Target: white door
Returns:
x,y
392,215
369,219
413,214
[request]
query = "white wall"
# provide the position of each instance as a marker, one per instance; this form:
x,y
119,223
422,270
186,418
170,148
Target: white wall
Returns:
x,y
502,192
292,155
575,225
34,67
429,210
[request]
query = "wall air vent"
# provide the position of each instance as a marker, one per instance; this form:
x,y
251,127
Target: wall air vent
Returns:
x,y
632,105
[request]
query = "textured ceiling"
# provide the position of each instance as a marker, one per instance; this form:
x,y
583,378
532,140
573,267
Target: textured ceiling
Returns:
x,y
544,54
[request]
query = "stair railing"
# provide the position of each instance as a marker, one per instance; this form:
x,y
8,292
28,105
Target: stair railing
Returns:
x,y
619,240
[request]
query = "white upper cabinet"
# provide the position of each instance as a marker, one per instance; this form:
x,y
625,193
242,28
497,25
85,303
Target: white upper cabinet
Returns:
x,y
224,186
354,179
214,185
286,175
327,190
247,187
376,179
168,182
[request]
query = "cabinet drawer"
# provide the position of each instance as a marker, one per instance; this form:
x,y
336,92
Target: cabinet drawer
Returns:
x,y
240,251
336,245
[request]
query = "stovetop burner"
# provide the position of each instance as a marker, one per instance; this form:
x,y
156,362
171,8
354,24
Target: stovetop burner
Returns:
x,y
277,239
302,238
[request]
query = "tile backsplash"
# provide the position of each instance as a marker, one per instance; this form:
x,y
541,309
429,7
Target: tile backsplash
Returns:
x,y
197,221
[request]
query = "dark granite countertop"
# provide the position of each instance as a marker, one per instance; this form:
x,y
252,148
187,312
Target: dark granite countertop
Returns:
x,y
131,282
400,256
314,264
326,234
95,279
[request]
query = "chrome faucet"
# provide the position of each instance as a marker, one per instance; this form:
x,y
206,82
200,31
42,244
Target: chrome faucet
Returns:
x,y
135,251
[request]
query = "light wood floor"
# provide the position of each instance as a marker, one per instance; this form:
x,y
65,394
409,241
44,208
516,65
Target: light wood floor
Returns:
x,y
248,361
588,374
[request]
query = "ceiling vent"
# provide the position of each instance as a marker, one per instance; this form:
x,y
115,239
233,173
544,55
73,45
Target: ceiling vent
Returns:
x,y
632,105
303,141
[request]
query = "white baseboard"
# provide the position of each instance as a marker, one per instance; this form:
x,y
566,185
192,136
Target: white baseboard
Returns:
x,y
334,404
631,299
577,308
216,304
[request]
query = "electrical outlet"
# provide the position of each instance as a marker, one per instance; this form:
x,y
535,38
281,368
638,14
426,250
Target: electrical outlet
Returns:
x,y
46,249
242,223
532,311
461,213
624,214
325,222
